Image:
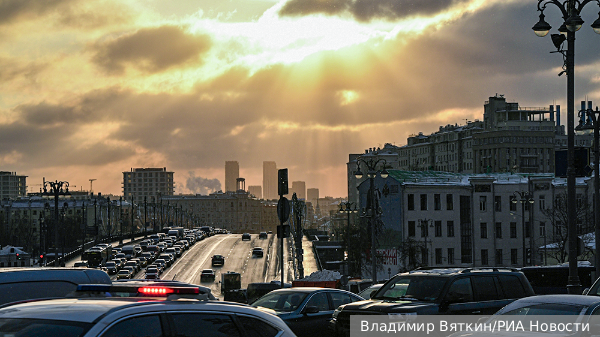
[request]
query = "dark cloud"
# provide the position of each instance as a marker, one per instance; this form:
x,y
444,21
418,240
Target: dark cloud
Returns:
x,y
151,50
44,114
366,10
12,10
11,69
199,185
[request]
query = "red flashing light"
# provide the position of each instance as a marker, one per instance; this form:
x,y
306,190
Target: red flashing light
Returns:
x,y
163,291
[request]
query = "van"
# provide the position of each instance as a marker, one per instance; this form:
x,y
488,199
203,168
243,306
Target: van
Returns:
x,y
21,284
129,251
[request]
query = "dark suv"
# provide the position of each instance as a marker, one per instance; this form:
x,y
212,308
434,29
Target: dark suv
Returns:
x,y
442,291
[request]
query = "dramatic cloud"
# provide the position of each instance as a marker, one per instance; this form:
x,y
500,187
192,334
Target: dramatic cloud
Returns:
x,y
151,50
365,10
11,10
203,186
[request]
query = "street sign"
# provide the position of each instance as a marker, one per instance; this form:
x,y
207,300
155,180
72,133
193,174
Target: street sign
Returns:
x,y
283,209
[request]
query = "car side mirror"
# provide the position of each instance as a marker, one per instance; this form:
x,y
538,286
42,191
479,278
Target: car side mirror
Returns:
x,y
311,309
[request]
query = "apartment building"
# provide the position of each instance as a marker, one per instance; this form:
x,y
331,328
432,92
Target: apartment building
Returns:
x,y
12,185
149,183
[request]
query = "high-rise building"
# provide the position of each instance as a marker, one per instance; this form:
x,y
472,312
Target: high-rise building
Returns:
x,y
12,185
151,183
312,195
270,180
232,173
255,191
298,187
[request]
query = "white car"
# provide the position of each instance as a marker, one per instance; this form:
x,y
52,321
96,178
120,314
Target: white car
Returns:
x,y
135,316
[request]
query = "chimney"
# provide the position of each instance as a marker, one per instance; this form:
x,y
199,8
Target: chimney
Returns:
x,y
558,115
552,113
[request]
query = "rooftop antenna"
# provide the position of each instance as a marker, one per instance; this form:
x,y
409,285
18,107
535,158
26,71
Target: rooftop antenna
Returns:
x,y
91,189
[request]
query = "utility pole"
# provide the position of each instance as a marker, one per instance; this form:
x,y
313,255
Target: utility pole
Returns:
x,y
91,189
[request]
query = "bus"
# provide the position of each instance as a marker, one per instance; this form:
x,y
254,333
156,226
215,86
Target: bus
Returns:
x,y
554,279
96,256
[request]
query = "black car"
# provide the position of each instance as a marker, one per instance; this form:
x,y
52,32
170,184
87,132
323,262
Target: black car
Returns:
x,y
246,236
442,291
218,260
263,235
306,310
258,252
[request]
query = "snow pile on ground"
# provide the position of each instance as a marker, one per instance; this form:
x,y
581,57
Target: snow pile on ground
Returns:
x,y
323,275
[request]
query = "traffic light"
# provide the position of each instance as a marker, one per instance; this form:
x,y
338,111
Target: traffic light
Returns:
x,y
41,256
18,256
528,255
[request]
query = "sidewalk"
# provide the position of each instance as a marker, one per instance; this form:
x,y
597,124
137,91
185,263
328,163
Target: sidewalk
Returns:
x,y
309,263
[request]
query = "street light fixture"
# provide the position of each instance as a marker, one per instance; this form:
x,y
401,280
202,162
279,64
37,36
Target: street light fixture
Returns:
x,y
57,188
525,197
425,224
347,207
594,116
372,209
570,10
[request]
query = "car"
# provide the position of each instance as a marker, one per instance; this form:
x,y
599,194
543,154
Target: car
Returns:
x,y
21,284
112,267
162,263
306,310
81,264
548,310
218,260
207,275
152,270
125,273
152,275
263,235
159,315
258,252
368,292
246,237
439,291
133,264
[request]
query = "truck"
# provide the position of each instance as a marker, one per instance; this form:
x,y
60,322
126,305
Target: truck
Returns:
x,y
176,231
231,287
323,279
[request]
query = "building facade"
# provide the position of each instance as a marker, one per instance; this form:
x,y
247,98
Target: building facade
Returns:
x,y
12,186
255,191
270,180
147,184
298,187
232,173
452,219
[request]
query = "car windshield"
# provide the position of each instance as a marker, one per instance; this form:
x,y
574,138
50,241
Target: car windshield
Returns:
x,y
25,327
548,309
286,301
422,288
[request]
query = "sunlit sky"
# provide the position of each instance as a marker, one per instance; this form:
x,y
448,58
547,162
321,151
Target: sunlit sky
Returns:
x,y
90,89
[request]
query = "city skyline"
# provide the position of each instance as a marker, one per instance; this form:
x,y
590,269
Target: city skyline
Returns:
x,y
92,89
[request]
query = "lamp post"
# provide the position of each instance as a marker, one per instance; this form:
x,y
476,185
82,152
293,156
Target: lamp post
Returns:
x,y
145,216
64,218
298,207
57,188
109,220
594,116
372,209
570,10
524,197
425,224
347,207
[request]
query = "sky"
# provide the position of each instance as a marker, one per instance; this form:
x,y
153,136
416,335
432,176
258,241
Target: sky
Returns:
x,y
92,89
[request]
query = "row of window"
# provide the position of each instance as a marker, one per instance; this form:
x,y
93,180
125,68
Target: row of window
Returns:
x,y
484,257
483,201
483,229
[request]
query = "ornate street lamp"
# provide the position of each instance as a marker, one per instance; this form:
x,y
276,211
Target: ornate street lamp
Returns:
x,y
525,198
372,209
570,10
347,207
56,189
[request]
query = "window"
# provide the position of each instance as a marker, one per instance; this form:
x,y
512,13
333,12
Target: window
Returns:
x,y
449,202
450,256
498,230
438,229
513,203
411,202
482,203
511,285
437,202
483,230
143,326
542,202
484,257
340,299
411,228
450,228
438,256
542,229
192,325
498,203
499,259
460,291
485,286
514,256
320,301
423,202
513,230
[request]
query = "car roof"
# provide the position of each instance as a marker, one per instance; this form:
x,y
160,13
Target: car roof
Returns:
x,y
560,299
309,290
89,310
